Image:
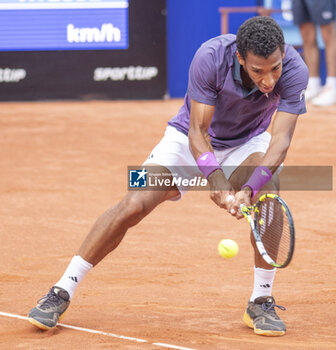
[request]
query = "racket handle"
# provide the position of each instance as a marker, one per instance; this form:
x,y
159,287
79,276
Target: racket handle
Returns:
x,y
241,207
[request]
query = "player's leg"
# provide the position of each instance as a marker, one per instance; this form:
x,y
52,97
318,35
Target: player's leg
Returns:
x,y
110,228
260,313
302,13
322,14
327,96
329,35
108,231
104,237
311,55
310,49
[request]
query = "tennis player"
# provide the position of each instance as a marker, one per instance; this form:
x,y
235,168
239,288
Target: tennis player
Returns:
x,y
236,84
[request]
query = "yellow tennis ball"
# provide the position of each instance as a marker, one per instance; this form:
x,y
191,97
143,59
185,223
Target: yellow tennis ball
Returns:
x,y
228,248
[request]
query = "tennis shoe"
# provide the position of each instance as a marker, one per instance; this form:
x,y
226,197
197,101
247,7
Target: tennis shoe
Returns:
x,y
50,309
327,97
312,91
262,317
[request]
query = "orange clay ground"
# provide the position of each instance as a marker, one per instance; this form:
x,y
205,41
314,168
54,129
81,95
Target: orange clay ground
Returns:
x,y
64,163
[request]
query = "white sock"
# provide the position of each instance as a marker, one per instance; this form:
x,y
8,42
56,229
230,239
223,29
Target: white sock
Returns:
x,y
73,275
314,82
331,82
263,282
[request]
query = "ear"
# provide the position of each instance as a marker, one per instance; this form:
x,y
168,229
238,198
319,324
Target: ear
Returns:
x,y
240,59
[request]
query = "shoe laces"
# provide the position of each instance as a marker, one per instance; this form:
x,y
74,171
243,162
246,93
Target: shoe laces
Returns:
x,y
49,300
269,307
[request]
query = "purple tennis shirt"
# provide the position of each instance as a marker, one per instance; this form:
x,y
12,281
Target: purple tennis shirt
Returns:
x,y
240,114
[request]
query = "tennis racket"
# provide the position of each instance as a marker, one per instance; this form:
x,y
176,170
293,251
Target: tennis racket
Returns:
x,y
273,228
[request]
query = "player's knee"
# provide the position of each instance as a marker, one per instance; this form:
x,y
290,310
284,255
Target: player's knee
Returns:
x,y
310,41
308,34
131,210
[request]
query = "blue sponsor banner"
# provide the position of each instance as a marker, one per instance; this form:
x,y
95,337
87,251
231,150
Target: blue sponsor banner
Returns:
x,y
60,4
52,51
63,25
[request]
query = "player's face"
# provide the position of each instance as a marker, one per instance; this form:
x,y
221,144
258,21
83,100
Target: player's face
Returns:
x,y
264,72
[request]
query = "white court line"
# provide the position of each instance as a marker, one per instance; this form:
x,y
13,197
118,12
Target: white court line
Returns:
x,y
169,346
87,330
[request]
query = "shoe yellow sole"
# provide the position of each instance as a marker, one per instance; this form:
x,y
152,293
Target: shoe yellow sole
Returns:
x,y
43,326
38,324
249,323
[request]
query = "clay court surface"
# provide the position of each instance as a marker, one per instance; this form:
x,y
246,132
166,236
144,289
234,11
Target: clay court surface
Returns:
x,y
64,163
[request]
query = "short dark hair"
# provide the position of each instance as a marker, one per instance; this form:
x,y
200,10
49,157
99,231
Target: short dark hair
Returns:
x,y
261,35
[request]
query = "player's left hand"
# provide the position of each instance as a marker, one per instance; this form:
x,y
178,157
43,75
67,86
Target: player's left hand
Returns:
x,y
241,197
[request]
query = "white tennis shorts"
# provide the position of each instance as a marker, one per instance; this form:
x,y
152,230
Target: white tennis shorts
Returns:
x,y
173,153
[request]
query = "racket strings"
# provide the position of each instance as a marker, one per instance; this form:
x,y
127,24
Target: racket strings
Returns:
x,y
274,230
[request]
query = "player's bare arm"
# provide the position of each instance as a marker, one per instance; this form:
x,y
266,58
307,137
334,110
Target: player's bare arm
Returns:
x,y
199,140
200,119
282,133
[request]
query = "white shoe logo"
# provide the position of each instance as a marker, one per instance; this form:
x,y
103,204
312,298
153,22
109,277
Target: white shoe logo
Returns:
x,y
205,157
263,172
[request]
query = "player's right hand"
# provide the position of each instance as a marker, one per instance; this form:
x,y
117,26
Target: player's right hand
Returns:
x,y
221,191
